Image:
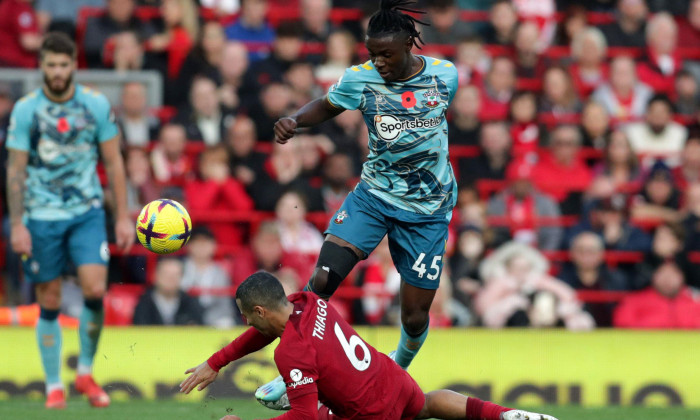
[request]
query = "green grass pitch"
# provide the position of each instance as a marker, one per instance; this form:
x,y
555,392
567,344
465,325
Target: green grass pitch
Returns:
x,y
28,409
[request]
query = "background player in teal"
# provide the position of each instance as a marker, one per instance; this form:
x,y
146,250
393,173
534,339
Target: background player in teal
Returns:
x,y
55,200
407,189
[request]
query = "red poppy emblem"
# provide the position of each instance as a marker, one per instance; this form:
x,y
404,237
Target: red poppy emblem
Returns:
x,y
62,125
408,99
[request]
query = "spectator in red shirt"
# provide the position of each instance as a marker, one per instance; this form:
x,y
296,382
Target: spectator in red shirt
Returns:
x,y
498,89
524,129
216,191
298,236
589,70
560,172
181,20
170,163
662,61
689,29
668,303
19,34
472,61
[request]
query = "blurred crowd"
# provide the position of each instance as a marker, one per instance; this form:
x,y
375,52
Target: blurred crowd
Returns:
x,y
575,137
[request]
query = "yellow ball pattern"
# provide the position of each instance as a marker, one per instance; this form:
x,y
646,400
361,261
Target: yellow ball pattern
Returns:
x,y
163,226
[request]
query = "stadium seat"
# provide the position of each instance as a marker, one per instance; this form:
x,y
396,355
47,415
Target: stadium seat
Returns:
x,y
120,302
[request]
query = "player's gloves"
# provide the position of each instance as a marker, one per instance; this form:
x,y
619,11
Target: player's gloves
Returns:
x,y
273,395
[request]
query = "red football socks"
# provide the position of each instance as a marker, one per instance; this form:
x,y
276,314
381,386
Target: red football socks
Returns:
x,y
483,410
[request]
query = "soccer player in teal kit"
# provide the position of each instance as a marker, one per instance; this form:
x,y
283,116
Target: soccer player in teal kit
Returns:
x,y
56,135
407,189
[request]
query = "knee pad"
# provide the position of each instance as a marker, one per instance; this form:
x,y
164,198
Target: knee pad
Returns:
x,y
334,264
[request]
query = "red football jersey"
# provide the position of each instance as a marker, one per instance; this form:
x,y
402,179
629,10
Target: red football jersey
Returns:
x,y
320,352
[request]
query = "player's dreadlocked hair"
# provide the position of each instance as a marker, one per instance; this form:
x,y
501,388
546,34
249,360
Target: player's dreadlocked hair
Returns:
x,y
389,20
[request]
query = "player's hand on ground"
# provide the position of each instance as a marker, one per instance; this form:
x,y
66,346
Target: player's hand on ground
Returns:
x,y
285,129
202,375
21,240
230,417
124,233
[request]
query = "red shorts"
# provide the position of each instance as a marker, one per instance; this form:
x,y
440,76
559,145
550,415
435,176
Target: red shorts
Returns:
x,y
398,397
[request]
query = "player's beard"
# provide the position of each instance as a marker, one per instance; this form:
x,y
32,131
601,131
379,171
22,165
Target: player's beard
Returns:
x,y
58,90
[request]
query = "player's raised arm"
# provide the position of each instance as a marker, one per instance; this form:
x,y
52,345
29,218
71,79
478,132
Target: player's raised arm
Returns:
x,y
315,112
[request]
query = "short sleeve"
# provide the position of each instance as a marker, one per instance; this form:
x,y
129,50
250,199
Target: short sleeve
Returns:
x,y
20,125
346,93
298,371
106,121
452,80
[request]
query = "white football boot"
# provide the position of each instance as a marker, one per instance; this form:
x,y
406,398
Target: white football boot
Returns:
x,y
273,395
524,415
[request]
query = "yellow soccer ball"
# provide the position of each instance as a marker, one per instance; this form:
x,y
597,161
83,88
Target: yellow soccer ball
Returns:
x,y
163,226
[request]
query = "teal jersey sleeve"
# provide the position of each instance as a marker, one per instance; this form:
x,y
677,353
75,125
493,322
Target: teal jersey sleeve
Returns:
x,y
449,73
105,119
346,93
20,125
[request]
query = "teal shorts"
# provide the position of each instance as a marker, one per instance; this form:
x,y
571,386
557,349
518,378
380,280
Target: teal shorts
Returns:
x,y
416,241
82,240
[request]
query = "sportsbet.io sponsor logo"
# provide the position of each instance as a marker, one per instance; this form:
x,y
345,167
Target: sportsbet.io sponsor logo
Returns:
x,y
389,127
298,379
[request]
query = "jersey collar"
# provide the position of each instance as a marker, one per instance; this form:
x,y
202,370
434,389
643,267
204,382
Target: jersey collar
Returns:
x,y
418,73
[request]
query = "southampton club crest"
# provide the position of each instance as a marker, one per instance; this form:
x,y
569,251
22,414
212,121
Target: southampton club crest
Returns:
x,y
340,217
431,98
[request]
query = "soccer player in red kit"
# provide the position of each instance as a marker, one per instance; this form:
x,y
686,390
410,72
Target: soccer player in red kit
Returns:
x,y
321,358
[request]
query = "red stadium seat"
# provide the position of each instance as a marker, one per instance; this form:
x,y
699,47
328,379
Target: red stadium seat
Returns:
x,y
120,302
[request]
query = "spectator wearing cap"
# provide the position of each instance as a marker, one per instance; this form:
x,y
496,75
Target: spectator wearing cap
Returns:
x,y
668,303
494,145
658,135
623,96
252,27
662,61
588,271
589,70
659,198
464,126
668,244
200,271
20,35
445,25
689,26
628,28
521,204
609,219
560,172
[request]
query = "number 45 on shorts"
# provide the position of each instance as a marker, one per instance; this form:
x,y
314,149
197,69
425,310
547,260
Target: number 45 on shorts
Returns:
x,y
420,267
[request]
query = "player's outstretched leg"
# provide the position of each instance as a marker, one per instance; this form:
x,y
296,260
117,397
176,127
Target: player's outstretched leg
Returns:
x,y
91,318
445,404
415,306
48,335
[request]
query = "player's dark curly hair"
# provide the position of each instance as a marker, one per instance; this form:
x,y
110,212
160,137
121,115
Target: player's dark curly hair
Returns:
x,y
389,20
261,289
